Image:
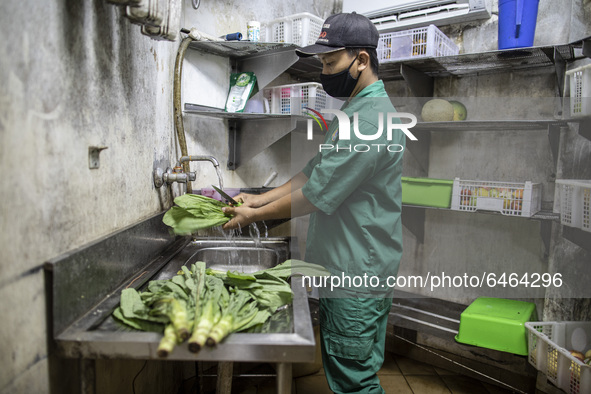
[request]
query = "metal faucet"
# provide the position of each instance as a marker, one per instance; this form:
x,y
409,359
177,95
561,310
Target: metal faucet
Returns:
x,y
177,175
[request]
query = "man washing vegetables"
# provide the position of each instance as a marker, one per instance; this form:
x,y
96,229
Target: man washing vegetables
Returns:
x,y
354,199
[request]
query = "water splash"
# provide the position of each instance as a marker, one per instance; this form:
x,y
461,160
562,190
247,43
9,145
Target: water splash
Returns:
x,y
255,234
266,229
220,179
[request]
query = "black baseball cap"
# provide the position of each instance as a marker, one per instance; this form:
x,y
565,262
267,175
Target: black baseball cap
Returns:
x,y
342,31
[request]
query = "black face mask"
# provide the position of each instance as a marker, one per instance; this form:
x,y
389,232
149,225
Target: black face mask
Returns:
x,y
341,84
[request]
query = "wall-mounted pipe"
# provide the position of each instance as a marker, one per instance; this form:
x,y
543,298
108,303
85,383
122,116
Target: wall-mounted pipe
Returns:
x,y
178,111
193,35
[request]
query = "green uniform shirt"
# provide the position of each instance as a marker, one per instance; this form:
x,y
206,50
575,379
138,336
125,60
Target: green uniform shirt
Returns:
x,y
358,228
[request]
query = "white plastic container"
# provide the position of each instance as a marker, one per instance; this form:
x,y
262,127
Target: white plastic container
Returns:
x,y
301,29
580,91
573,202
415,43
549,346
507,198
253,31
293,99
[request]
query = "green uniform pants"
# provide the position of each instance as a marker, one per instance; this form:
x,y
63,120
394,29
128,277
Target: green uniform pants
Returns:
x,y
353,336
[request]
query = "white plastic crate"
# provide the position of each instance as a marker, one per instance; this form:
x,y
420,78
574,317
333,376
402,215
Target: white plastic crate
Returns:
x,y
293,99
300,29
573,202
549,346
415,43
580,91
508,198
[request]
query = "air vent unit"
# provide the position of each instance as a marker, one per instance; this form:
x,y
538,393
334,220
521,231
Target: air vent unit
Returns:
x,y
393,15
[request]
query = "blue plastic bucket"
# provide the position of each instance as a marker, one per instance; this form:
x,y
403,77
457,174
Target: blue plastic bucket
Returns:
x,y
517,23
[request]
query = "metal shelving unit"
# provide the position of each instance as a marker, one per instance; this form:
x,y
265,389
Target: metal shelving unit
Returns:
x,y
490,125
249,133
413,218
419,73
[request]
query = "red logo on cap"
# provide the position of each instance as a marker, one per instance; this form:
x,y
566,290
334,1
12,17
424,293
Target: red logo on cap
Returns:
x,y
322,35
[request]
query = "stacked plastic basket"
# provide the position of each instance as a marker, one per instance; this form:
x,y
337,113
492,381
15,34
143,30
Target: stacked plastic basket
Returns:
x,y
415,43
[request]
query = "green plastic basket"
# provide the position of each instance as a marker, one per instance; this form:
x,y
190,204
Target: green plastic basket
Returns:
x,y
427,192
498,324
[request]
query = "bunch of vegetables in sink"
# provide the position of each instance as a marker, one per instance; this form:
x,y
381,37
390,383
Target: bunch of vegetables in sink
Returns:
x,y
204,306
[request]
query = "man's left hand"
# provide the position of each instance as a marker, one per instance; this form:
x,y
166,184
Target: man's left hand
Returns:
x,y
241,217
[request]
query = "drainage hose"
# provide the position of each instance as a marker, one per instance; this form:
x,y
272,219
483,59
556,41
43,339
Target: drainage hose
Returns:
x,y
178,111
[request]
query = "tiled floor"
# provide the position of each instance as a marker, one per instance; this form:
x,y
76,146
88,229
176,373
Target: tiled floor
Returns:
x,y
399,375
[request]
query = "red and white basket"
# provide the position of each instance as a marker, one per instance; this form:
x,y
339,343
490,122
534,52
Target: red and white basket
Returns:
x,y
549,351
509,198
416,43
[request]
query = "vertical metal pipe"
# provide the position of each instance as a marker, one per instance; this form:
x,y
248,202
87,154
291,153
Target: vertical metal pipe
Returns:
x,y
178,110
87,376
224,383
284,376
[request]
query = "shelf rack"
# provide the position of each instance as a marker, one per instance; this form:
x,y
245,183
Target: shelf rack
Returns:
x,y
266,59
420,148
413,218
249,134
419,73
269,60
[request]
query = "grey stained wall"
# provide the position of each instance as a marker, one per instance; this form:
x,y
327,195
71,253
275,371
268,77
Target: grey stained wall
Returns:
x,y
73,75
77,74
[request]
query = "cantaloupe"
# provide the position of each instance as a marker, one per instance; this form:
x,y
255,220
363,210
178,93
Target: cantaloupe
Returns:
x,y
460,111
437,110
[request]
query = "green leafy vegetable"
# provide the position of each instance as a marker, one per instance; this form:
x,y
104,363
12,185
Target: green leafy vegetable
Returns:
x,y
205,306
195,212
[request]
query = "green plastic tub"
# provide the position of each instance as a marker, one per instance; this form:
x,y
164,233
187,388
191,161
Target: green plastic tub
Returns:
x,y
498,324
427,192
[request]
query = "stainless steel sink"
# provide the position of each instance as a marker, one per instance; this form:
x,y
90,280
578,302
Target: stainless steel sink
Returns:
x,y
95,275
234,254
239,255
226,258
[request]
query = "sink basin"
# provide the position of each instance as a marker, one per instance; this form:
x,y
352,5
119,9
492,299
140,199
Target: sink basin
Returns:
x,y
242,259
237,254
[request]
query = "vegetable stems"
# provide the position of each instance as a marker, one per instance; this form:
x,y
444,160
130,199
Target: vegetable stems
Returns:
x,y
205,306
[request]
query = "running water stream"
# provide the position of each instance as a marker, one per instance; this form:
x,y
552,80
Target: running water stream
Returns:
x,y
235,258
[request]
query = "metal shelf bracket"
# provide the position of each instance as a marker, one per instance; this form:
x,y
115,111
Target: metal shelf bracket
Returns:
x,y
233,151
585,128
413,219
420,84
587,47
554,138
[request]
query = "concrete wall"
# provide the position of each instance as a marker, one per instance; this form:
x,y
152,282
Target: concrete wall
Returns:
x,y
76,74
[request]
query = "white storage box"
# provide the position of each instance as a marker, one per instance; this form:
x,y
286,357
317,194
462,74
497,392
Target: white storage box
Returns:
x,y
580,91
300,29
293,99
415,43
508,198
549,346
573,202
